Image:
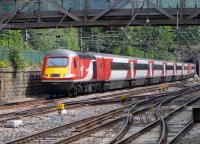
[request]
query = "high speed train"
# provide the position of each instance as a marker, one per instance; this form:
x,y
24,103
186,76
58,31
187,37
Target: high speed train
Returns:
x,y
84,72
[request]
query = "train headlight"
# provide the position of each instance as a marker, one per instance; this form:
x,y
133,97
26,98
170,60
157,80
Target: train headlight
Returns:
x,y
65,75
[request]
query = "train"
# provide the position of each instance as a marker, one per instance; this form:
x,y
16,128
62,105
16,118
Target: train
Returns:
x,y
75,72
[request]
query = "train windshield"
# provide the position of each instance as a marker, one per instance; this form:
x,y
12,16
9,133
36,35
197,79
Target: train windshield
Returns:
x,y
57,62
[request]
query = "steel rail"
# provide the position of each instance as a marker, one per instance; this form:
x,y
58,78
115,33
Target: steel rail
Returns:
x,y
163,137
93,129
129,94
101,119
79,135
96,120
155,123
184,130
129,121
69,105
48,109
82,124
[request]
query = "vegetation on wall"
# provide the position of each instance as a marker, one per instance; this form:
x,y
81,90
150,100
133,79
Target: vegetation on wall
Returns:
x,y
13,40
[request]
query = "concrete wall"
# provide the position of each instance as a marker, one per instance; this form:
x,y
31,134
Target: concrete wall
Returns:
x,y
14,84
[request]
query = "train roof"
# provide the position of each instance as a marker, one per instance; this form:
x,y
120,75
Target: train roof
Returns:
x,y
92,55
61,52
68,53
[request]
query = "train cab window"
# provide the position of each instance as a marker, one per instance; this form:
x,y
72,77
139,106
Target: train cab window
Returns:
x,y
57,62
75,64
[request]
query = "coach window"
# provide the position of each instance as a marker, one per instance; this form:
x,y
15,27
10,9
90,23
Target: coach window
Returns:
x,y
185,68
179,67
75,64
170,67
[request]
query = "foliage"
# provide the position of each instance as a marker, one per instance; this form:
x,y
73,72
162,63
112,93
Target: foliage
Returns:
x,y
4,64
48,39
16,58
161,42
15,42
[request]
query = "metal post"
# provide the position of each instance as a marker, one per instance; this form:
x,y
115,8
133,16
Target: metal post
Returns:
x,y
15,4
86,9
92,40
133,8
182,5
38,11
81,40
177,31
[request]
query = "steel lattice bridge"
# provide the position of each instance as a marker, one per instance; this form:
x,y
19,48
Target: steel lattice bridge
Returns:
x,y
22,14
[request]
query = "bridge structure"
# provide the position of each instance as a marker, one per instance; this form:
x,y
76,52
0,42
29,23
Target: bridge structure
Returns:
x,y
24,14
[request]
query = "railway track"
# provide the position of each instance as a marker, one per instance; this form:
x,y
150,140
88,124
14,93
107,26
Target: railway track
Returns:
x,y
52,108
39,102
72,138
115,98
79,126
87,126
69,105
162,130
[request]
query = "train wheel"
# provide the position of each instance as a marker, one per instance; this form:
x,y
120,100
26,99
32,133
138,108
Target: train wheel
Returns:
x,y
102,87
73,92
89,88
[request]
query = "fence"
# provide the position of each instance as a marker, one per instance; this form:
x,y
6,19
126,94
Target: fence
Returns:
x,y
32,57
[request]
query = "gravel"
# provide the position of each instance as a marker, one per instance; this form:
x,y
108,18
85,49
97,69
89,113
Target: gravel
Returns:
x,y
51,120
44,122
192,137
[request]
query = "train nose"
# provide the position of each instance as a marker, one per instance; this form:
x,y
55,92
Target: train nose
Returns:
x,y
56,72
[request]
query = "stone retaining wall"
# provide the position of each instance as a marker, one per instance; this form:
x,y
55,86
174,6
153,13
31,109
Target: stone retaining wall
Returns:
x,y
14,84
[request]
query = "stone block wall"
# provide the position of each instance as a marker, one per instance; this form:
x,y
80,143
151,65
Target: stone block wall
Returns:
x,y
14,84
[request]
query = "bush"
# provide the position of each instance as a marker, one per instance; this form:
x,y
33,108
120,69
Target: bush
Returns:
x,y
4,64
17,59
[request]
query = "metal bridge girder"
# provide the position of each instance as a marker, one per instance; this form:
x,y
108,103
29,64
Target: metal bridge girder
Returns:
x,y
117,3
109,16
193,15
54,3
164,12
9,17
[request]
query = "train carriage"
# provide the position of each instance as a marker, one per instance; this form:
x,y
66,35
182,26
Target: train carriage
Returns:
x,y
78,72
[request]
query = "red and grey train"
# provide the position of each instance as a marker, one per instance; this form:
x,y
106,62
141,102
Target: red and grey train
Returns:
x,y
78,72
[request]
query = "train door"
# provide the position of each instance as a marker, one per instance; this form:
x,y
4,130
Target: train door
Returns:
x,y
99,69
150,69
182,69
132,70
94,70
79,67
164,70
189,68
107,68
175,69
